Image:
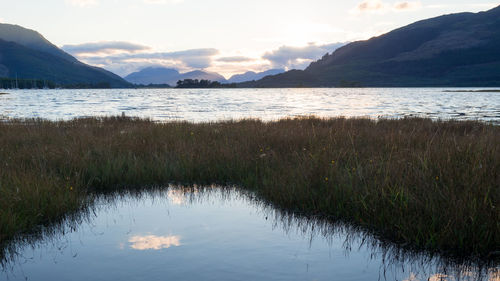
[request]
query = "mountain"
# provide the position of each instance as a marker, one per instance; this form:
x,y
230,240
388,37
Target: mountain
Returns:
x,y
250,75
451,50
31,39
203,75
27,54
162,75
153,75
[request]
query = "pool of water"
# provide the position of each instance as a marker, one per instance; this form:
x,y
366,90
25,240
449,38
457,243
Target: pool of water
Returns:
x,y
201,105
216,234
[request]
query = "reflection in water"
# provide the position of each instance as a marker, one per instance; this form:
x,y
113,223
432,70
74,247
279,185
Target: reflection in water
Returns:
x,y
176,196
494,275
181,195
226,234
153,242
440,277
395,259
446,277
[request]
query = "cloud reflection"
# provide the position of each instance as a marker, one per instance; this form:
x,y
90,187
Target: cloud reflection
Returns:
x,y
153,242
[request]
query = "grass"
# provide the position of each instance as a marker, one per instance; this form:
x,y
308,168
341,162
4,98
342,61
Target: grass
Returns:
x,y
431,185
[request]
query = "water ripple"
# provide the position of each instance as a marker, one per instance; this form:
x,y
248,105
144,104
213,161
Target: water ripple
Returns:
x,y
202,105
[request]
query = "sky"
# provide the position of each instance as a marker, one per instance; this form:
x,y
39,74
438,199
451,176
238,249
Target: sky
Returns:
x,y
224,36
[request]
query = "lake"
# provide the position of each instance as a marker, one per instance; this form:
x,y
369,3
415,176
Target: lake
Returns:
x,y
215,234
201,105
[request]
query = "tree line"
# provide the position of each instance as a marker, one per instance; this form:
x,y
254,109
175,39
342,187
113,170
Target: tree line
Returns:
x,y
12,83
206,84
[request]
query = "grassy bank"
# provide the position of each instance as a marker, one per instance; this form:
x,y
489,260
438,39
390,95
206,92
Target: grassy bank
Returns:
x,y
432,185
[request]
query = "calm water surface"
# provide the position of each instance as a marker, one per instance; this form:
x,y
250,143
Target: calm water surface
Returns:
x,y
200,105
215,234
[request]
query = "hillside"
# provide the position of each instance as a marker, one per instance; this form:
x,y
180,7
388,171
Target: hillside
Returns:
x,y
27,54
451,50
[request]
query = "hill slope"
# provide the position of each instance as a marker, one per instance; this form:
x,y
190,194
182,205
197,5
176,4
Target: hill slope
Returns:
x,y
452,50
26,54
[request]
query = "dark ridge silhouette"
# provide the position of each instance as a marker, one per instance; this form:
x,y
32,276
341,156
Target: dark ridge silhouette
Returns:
x,y
25,54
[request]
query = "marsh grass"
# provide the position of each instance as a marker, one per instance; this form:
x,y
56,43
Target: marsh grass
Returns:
x,y
428,185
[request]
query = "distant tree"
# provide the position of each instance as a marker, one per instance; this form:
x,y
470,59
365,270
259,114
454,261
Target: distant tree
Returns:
x,y
195,83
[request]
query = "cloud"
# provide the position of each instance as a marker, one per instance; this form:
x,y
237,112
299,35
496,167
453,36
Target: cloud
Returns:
x,y
197,62
195,58
406,6
159,2
108,47
235,59
298,57
370,6
82,3
378,6
85,3
193,53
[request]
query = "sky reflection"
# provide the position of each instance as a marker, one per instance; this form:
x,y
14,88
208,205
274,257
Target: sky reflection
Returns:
x,y
231,236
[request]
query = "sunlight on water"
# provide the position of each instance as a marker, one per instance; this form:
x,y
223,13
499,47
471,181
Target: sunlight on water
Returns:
x,y
200,105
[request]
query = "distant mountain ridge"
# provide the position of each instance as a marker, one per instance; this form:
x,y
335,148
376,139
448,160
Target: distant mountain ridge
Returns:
x,y
152,75
202,75
451,50
27,54
250,75
162,75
